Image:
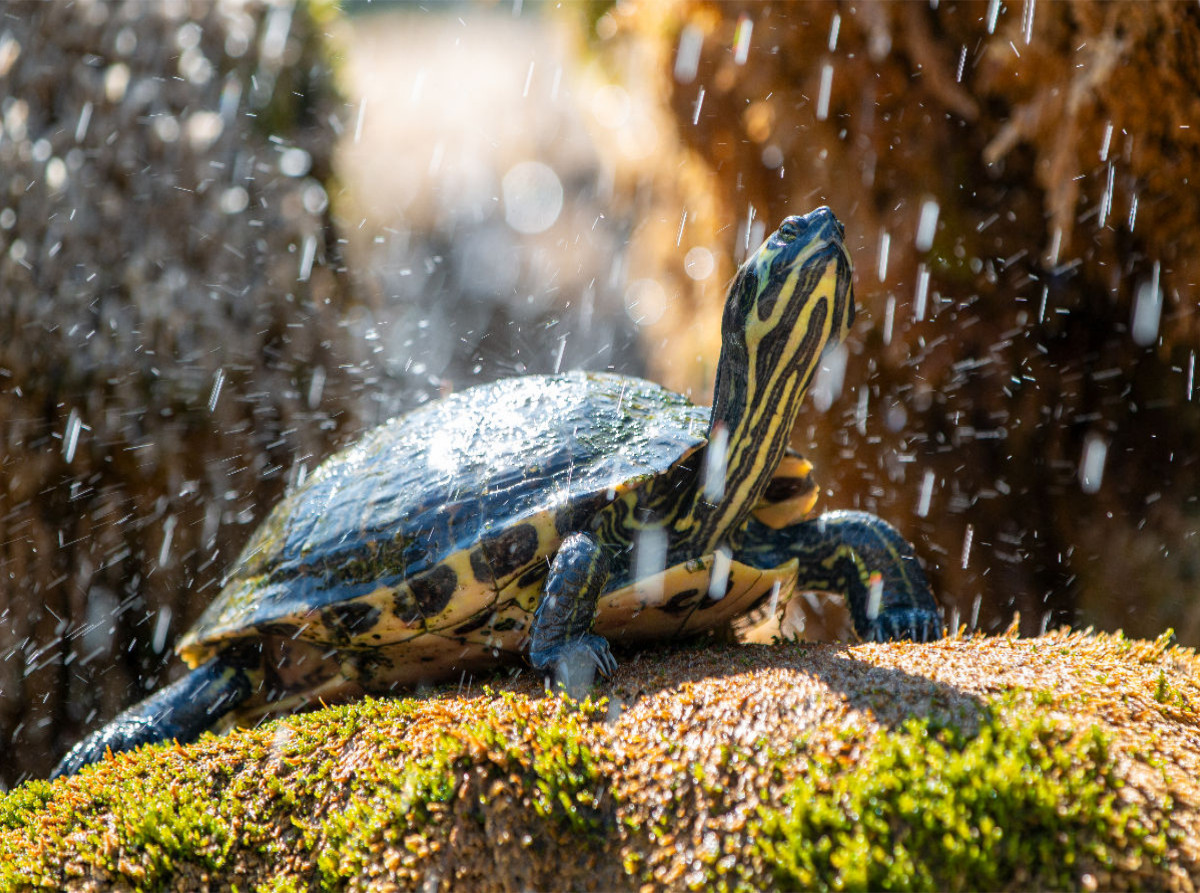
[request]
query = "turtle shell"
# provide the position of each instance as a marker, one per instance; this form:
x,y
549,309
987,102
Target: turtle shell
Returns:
x,y
421,527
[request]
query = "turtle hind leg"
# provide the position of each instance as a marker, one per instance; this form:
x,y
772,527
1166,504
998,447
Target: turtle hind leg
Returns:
x,y
865,559
562,641
181,711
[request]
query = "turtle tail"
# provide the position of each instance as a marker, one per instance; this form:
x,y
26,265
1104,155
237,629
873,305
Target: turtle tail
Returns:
x,y
181,711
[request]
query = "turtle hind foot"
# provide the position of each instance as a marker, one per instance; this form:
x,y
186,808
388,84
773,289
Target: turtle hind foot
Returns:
x,y
911,624
574,664
181,711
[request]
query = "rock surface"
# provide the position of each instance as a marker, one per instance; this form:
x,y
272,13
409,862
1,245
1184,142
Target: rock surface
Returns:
x,y
1066,761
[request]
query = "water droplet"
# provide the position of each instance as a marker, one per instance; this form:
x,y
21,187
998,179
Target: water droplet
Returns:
x,y
645,301
714,464
825,89
687,57
1091,467
162,623
85,118
922,293
1106,199
533,197
294,162
885,244
831,373
698,263
650,554
927,225
215,393
741,39
722,559
968,536
926,494
71,435
1147,311
834,27
307,256
992,14
234,200
874,595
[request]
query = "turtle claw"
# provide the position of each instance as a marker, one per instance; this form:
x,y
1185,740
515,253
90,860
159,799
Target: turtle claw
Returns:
x,y
575,663
915,624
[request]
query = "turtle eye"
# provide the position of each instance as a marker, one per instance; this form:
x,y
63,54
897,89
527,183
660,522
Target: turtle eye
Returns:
x,y
789,230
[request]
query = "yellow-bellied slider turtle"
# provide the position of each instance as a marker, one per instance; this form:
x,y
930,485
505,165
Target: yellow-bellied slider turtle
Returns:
x,y
544,516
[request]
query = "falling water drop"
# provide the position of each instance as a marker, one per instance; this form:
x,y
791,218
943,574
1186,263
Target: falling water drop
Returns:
x,y
826,89
687,57
922,292
714,464
926,494
215,393
162,624
1108,131
874,595
651,558
307,255
164,551
968,536
992,14
927,225
722,558
358,122
885,244
71,435
1147,311
741,39
889,319
1091,467
1106,199
834,26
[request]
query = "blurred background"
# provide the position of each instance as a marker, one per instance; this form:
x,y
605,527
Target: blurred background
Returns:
x,y
233,235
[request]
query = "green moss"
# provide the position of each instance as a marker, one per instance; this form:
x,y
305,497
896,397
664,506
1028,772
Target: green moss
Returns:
x,y
1023,801
542,765
283,792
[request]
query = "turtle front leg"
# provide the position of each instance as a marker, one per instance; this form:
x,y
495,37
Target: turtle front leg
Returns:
x,y
562,640
861,557
181,711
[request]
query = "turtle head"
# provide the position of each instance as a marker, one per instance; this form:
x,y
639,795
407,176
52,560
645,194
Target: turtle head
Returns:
x,y
789,301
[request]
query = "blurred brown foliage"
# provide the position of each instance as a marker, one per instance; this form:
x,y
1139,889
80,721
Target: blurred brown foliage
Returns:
x,y
170,310
1058,145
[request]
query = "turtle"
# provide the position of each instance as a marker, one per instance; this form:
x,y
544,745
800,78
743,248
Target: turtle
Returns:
x,y
540,518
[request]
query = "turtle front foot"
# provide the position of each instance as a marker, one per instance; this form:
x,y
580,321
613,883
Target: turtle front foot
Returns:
x,y
575,663
915,624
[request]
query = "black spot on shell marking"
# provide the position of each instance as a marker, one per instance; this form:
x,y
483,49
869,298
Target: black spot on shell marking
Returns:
x,y
479,621
680,601
350,619
499,556
434,590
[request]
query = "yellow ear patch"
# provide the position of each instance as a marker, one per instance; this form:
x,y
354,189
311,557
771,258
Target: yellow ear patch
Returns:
x,y
791,494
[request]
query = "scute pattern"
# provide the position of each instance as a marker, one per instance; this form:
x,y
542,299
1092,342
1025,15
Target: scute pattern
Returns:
x,y
484,468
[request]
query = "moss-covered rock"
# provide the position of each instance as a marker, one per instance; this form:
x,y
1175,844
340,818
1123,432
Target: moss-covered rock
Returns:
x,y
1067,761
